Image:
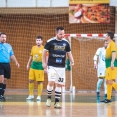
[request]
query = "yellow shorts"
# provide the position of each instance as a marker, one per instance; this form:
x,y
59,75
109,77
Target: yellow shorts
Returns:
x,y
37,75
111,74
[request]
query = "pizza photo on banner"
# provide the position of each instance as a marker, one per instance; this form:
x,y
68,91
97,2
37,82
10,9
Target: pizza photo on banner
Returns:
x,y
89,11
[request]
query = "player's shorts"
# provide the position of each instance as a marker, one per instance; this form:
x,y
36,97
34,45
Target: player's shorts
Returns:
x,y
37,75
5,70
56,74
111,74
101,71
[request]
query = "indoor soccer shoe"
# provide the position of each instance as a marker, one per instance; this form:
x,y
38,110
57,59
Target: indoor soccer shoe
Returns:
x,y
38,98
107,101
2,99
57,105
48,102
30,97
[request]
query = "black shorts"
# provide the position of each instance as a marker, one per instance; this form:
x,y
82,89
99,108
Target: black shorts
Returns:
x,y
5,70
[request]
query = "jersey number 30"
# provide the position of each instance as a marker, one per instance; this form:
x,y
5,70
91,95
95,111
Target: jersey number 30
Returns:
x,y
60,80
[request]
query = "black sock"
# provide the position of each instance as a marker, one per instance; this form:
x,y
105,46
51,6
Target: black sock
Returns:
x,y
49,96
1,86
3,89
56,100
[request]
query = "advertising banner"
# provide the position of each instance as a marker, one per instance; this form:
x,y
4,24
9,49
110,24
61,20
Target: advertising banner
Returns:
x,y
89,11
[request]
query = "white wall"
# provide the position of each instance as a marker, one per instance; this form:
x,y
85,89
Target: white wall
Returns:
x,y
34,3
21,3
43,3
2,3
59,3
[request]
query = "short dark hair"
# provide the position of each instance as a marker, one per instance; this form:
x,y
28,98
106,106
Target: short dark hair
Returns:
x,y
111,35
2,33
59,28
39,37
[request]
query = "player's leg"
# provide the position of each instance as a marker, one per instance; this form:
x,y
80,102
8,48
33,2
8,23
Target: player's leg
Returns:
x,y
1,85
105,88
40,89
51,82
31,90
31,84
39,75
1,79
49,92
110,76
4,88
59,82
7,74
57,95
99,83
101,75
114,84
109,92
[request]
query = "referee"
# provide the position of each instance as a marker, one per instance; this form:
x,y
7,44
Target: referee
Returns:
x,y
6,53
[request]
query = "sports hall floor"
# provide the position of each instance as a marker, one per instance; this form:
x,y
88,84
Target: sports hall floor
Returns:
x,y
79,104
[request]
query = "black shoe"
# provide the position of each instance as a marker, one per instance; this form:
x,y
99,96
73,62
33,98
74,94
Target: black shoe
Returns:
x,y
98,94
103,100
107,101
2,99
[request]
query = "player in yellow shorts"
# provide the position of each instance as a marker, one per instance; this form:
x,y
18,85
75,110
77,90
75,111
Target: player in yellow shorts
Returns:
x,y
36,72
111,65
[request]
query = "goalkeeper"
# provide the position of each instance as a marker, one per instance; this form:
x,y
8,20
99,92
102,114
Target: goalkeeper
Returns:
x,y
99,64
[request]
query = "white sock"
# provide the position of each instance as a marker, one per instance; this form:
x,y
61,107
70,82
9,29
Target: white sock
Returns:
x,y
99,83
57,93
49,90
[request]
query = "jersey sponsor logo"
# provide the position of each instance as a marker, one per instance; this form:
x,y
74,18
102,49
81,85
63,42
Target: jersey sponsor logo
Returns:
x,y
103,58
64,44
57,47
58,60
53,75
61,56
35,56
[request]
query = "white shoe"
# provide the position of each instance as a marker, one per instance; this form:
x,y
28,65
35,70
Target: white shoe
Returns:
x,y
30,97
57,105
48,102
38,98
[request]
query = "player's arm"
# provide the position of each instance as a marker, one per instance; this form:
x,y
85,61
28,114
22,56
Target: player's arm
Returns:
x,y
95,58
12,56
44,60
47,55
15,60
70,56
29,62
113,51
113,59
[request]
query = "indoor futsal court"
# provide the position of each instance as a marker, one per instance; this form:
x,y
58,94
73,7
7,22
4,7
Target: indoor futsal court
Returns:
x,y
23,21
76,104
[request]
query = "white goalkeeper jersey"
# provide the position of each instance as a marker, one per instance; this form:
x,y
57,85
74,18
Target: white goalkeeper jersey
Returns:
x,y
101,68
101,56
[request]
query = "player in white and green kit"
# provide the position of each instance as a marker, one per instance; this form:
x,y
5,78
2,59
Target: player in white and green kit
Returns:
x,y
99,64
